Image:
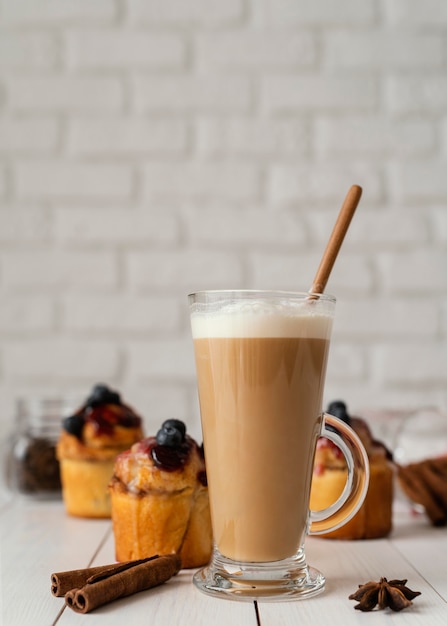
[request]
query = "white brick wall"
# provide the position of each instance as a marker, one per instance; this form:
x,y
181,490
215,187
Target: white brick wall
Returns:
x,y
149,148
124,49
63,93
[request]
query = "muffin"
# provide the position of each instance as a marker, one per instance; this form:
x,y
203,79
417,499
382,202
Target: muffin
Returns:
x,y
87,447
374,518
160,499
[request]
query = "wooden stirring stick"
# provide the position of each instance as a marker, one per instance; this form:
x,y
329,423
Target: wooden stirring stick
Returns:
x,y
336,239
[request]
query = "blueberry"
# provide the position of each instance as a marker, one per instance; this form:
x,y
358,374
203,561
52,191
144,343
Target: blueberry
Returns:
x,y
173,423
337,408
101,394
73,425
172,433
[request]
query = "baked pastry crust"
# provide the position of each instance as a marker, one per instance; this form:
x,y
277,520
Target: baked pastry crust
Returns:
x,y
87,457
85,487
374,518
97,446
160,510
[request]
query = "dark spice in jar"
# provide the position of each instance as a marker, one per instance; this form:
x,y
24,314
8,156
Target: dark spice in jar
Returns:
x,y
37,468
32,467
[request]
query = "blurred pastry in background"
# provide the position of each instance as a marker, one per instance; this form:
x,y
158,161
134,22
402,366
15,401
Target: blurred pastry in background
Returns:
x,y
374,518
87,448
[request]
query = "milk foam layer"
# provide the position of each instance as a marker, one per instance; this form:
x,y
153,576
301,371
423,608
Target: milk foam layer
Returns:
x,y
251,318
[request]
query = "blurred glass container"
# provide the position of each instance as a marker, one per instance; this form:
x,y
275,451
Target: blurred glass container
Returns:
x,y
422,435
31,467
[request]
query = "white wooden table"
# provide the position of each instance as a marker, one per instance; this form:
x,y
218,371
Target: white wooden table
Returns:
x,y
38,539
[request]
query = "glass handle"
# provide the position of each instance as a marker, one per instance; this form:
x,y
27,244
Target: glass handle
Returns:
x,y
354,492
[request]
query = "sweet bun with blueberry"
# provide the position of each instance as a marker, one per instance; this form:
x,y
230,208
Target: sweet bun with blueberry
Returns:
x,y
374,519
87,447
160,498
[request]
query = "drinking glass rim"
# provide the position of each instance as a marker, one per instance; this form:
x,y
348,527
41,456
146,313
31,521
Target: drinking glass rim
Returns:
x,y
262,293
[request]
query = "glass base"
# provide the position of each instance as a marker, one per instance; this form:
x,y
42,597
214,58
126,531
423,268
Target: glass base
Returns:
x,y
290,579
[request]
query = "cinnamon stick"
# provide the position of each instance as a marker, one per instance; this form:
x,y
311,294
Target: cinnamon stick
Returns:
x,y
121,581
425,483
61,582
436,481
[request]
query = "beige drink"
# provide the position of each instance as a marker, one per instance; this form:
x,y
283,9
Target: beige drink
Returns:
x,y
260,376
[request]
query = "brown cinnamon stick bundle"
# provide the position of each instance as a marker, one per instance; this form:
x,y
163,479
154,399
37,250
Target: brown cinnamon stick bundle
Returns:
x,y
426,483
61,582
118,581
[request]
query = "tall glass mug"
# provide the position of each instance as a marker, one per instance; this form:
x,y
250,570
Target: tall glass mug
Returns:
x,y
261,362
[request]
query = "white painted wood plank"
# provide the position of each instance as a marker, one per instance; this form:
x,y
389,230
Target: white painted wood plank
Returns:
x,y
176,603
38,539
410,539
345,565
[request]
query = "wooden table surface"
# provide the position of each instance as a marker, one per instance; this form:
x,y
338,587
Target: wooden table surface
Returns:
x,y
38,538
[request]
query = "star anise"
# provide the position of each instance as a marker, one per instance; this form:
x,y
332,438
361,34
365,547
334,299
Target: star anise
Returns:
x,y
393,594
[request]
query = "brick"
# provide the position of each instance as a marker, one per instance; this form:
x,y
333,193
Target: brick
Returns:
x,y
365,396
3,182
170,359
444,318
322,182
54,12
57,179
204,94
299,12
263,49
60,359
377,49
421,180
194,180
413,364
415,13
377,228
346,362
25,315
34,270
443,136
273,270
160,401
121,313
65,93
417,93
352,274
31,224
253,137
385,317
186,270
318,92
179,12
127,136
2,96
28,135
76,225
31,51
125,49
419,270
439,225
355,389
248,226
374,135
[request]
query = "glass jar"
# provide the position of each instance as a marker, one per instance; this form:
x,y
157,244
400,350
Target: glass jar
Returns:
x,y
31,464
423,435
